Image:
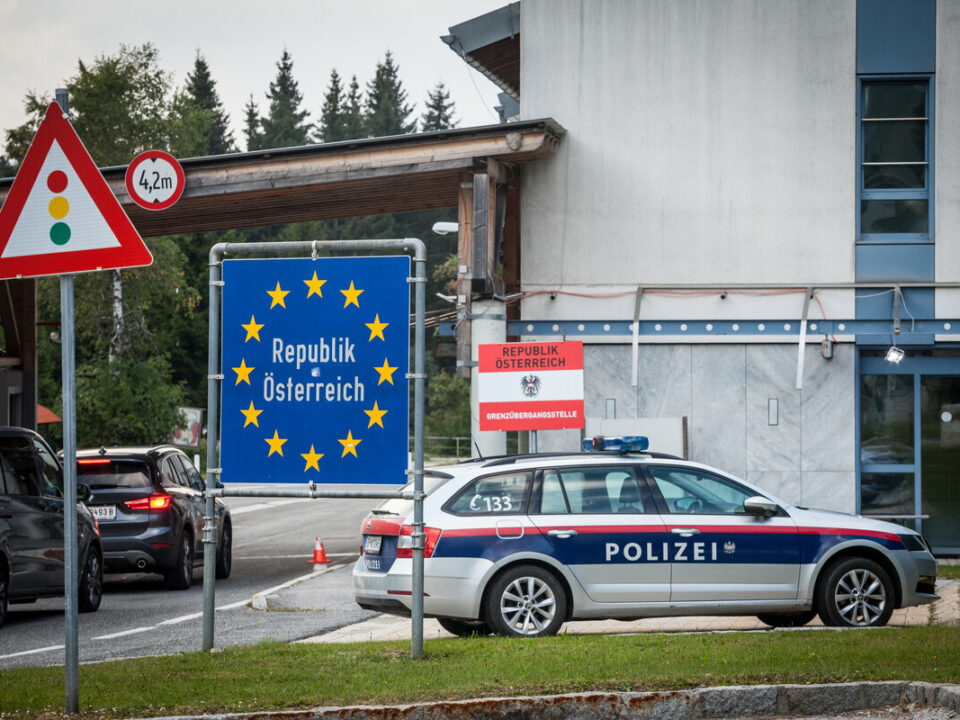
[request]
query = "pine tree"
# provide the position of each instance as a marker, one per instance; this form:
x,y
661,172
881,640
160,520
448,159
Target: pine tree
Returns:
x,y
285,124
386,106
439,110
203,90
330,127
252,126
353,121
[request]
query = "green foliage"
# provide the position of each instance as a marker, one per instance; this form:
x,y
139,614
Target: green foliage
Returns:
x,y
202,90
387,111
438,114
332,117
139,406
285,124
19,138
119,104
252,129
448,405
353,120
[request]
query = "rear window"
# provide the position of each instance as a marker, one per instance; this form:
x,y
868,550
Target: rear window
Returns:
x,y
101,474
401,507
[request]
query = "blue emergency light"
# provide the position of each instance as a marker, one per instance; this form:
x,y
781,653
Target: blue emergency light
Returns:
x,y
625,444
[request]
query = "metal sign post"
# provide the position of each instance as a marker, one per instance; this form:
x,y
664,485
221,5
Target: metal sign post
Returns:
x,y
215,470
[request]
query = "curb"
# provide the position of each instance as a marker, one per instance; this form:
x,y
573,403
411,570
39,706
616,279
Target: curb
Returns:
x,y
714,702
265,598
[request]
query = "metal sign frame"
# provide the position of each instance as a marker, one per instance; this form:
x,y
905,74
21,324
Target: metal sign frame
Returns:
x,y
214,378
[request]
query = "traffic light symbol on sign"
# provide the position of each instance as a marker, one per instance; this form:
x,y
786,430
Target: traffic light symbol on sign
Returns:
x,y
59,207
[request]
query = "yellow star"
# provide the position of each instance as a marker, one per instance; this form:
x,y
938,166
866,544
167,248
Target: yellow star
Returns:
x,y
311,458
351,294
386,372
253,329
349,444
243,372
315,285
251,414
278,295
376,329
275,443
376,415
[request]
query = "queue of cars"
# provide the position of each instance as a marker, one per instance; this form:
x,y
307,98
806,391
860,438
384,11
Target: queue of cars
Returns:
x,y
139,510
518,545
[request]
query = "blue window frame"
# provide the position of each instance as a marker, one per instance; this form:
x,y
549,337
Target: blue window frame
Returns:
x,y
895,150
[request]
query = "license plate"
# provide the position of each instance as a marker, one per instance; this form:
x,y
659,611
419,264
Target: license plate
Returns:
x,y
104,512
371,545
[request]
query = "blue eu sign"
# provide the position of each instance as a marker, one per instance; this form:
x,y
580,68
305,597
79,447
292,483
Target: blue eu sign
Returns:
x,y
315,354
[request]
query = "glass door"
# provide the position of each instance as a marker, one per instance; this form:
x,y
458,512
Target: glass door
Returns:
x,y
940,460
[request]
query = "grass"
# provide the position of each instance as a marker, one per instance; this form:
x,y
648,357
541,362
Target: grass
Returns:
x,y
279,675
948,572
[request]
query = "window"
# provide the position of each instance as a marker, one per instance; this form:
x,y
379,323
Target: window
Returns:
x,y
113,474
895,177
590,490
52,480
493,495
688,491
171,474
19,466
193,476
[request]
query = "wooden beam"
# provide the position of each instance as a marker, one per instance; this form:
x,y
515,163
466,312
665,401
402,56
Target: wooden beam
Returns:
x,y
464,273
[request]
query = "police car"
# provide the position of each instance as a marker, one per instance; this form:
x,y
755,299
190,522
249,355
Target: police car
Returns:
x,y
518,545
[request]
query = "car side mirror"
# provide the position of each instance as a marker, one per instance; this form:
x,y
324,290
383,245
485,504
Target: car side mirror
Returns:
x,y
760,506
83,492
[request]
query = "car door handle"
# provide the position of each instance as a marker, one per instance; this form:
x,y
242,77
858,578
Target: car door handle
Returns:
x,y
686,532
561,533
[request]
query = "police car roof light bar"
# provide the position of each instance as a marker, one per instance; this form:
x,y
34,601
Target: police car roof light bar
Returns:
x,y
625,444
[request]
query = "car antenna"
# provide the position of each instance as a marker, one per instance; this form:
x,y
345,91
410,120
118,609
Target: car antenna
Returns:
x,y
477,446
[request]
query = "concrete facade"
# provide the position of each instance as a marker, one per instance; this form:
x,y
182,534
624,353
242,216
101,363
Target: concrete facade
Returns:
x,y
715,144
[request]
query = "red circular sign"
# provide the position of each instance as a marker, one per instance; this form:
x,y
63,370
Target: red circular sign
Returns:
x,y
154,180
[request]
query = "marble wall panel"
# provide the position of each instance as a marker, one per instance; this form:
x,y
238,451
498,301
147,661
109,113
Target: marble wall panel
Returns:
x,y
606,374
828,414
771,373
830,491
785,485
559,441
717,423
664,373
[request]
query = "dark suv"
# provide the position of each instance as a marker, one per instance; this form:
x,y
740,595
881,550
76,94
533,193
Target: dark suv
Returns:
x,y
32,524
150,506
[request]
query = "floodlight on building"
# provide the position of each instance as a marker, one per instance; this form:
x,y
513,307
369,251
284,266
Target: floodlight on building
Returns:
x,y
894,355
445,228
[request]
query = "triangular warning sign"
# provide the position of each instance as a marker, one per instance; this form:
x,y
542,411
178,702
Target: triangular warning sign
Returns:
x,y
60,215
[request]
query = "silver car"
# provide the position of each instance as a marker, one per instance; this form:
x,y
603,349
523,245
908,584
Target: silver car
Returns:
x,y
519,545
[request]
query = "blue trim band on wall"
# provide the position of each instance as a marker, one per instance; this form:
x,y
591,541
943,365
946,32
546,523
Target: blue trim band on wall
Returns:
x,y
896,36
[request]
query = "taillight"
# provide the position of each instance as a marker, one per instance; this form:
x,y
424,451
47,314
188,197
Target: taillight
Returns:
x,y
405,541
93,461
154,502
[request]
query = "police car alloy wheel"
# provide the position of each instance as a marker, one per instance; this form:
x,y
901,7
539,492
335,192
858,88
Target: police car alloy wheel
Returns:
x,y
526,601
856,593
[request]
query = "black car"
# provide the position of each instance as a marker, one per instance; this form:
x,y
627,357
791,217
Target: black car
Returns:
x,y
150,506
32,526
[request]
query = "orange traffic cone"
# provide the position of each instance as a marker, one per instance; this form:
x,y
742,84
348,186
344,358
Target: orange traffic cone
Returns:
x,y
319,556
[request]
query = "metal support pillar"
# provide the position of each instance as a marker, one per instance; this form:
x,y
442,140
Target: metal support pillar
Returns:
x,y
489,321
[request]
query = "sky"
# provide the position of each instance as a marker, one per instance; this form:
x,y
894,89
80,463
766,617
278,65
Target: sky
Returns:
x,y
41,42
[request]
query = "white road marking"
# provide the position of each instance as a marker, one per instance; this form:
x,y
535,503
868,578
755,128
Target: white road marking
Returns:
x,y
134,631
50,648
264,506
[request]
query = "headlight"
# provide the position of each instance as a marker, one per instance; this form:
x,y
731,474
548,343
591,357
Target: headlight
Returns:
x,y
913,542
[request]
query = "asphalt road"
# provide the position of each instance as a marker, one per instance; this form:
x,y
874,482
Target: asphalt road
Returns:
x,y
273,540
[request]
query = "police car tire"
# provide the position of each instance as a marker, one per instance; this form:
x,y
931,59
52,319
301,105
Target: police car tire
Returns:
x,y
545,584
464,628
798,619
850,576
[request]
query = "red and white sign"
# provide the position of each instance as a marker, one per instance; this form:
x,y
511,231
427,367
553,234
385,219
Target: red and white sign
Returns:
x,y
531,386
60,215
154,180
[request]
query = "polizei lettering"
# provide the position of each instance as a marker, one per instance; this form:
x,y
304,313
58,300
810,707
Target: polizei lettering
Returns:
x,y
678,551
332,350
